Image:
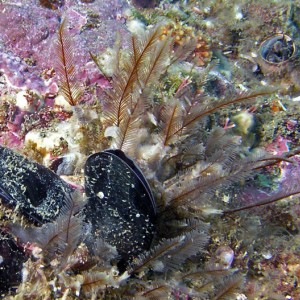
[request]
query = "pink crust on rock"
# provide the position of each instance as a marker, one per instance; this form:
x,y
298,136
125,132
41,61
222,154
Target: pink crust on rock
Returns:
x,y
278,146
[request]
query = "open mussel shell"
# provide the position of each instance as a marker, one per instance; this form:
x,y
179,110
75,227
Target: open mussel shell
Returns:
x,y
32,190
277,49
121,208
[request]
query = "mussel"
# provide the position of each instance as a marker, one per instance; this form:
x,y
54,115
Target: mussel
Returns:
x,y
33,193
37,193
120,208
12,258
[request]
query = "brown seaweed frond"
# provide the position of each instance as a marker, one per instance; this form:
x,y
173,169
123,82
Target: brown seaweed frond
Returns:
x,y
192,190
125,84
221,148
170,254
220,167
227,287
293,190
203,109
193,244
146,61
221,284
196,110
209,177
93,282
211,272
272,160
60,236
103,251
151,258
183,51
156,291
170,117
65,68
210,282
128,129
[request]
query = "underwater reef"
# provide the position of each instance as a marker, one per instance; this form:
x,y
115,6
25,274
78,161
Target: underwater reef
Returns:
x,y
149,149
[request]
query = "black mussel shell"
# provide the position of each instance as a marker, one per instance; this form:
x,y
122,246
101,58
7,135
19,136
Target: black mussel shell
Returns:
x,y
121,208
34,191
12,258
37,195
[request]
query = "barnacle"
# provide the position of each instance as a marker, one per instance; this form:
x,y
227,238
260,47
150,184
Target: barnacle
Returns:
x,y
277,49
276,54
278,59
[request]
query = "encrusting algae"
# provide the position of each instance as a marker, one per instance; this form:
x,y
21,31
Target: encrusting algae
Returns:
x,y
165,174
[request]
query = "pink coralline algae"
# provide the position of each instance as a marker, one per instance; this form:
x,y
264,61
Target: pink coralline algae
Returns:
x,y
19,75
25,35
28,31
278,146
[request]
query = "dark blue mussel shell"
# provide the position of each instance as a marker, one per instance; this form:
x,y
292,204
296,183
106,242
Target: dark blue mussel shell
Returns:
x,y
121,208
36,192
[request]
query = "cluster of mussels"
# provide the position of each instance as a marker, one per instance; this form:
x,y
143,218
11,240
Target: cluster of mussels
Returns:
x,y
120,207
